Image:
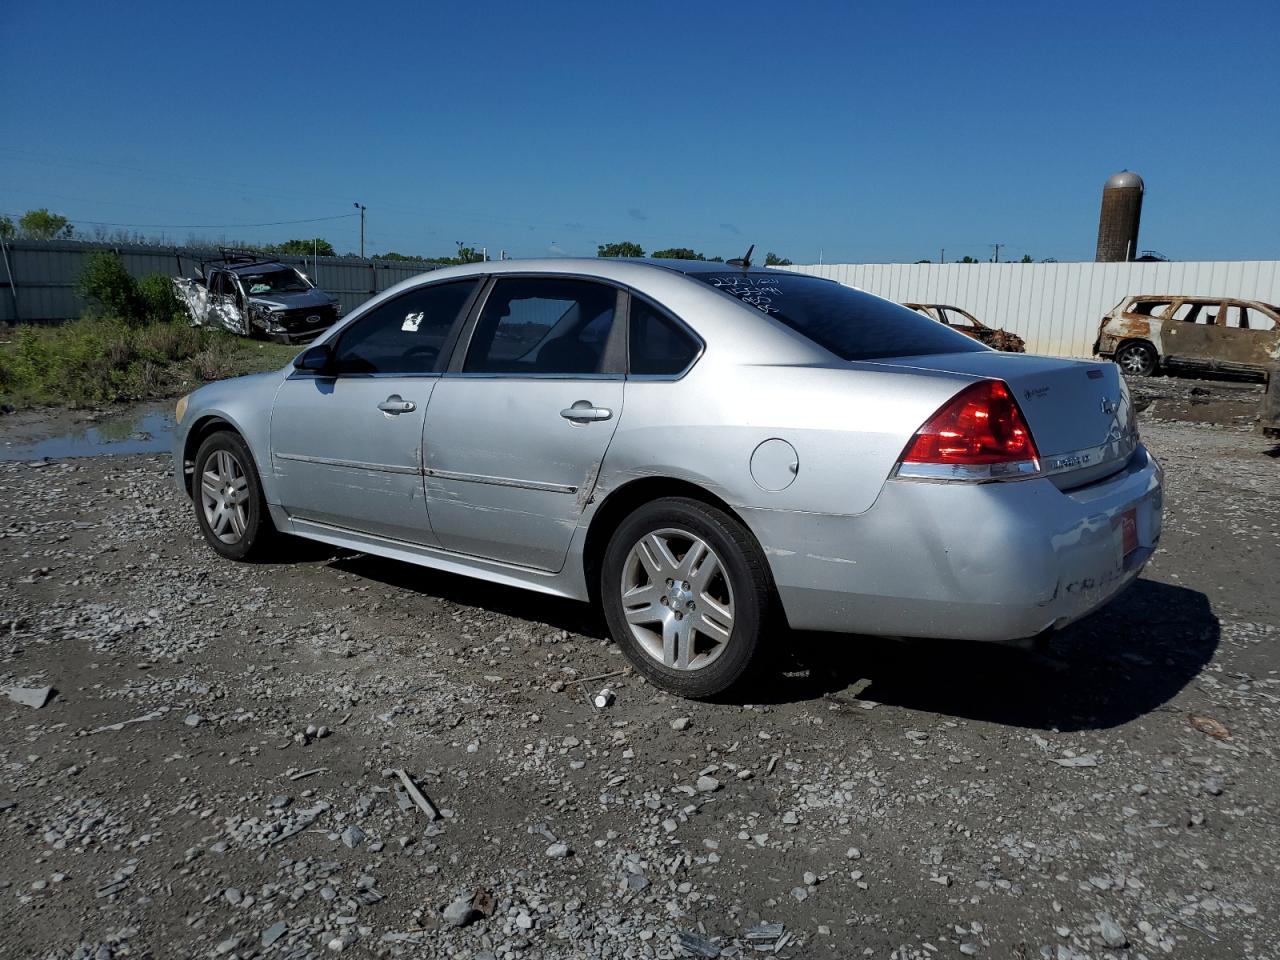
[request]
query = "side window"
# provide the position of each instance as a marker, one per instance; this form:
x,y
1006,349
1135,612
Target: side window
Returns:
x,y
952,317
1259,320
1233,316
1149,308
404,335
659,346
1190,312
547,325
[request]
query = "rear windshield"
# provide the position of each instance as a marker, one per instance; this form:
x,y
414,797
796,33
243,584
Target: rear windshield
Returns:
x,y
851,324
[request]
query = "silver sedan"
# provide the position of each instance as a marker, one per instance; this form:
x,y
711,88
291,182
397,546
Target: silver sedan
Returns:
x,y
705,450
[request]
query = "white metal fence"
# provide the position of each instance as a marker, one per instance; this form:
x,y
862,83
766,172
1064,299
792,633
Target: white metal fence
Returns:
x,y
1055,307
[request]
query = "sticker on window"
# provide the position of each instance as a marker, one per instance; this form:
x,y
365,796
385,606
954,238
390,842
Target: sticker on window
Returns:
x,y
411,322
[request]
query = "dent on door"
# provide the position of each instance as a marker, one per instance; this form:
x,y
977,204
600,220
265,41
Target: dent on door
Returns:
x,y
509,466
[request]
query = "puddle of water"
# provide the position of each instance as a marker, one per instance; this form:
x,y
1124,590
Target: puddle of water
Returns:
x,y
146,431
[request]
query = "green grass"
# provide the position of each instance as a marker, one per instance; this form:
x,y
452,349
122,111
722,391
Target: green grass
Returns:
x,y
100,360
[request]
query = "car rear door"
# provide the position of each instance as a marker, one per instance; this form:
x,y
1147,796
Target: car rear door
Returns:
x,y
516,430
346,443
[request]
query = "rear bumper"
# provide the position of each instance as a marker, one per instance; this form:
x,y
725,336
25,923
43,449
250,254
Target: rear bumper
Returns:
x,y
995,562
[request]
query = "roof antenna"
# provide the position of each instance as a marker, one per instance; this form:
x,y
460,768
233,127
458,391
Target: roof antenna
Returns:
x,y
745,260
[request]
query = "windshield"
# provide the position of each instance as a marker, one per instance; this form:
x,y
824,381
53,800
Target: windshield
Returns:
x,y
850,323
280,280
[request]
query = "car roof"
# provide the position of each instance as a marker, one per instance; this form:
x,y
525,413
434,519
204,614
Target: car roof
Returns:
x,y
1195,299
256,266
615,268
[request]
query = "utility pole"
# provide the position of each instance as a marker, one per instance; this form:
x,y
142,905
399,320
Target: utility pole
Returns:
x,y
942,255
360,207
996,247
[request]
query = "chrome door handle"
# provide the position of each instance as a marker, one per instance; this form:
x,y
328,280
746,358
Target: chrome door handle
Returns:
x,y
582,412
393,404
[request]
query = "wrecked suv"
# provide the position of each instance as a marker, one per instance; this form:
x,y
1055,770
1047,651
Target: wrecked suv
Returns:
x,y
1145,333
252,296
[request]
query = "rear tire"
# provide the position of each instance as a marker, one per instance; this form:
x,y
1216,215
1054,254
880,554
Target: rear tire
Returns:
x,y
687,593
229,504
1138,359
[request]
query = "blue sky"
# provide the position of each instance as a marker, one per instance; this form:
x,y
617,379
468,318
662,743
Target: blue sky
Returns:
x,y
855,132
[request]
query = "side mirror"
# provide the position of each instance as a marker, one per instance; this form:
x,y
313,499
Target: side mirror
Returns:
x,y
317,359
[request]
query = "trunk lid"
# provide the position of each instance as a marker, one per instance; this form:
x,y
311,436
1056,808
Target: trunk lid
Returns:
x,y
1079,411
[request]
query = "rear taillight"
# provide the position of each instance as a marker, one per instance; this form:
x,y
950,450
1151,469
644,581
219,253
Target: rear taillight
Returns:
x,y
979,434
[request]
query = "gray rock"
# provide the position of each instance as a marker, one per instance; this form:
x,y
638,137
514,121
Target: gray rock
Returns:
x,y
353,836
637,882
1112,935
461,912
707,784
193,720
558,851
35,697
680,723
698,946
274,933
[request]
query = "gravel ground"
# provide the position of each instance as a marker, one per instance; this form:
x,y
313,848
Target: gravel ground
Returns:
x,y
213,775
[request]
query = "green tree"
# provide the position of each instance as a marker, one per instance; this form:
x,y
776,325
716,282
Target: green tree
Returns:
x,y
773,260
105,283
157,300
7,229
43,225
678,253
303,248
624,249
969,259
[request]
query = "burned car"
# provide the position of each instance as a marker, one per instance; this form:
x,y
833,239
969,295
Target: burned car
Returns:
x,y
1269,414
965,322
1145,333
257,297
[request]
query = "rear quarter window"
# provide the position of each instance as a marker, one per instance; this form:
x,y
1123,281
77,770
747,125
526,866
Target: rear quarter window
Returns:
x,y
850,323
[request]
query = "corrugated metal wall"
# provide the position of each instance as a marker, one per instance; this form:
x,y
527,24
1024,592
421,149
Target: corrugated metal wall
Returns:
x,y
45,275
1055,307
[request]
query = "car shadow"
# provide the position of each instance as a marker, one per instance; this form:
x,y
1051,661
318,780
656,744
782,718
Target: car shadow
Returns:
x,y
1128,659
555,612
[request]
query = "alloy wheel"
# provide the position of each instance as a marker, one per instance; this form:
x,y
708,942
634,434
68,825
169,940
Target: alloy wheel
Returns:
x,y
677,599
224,493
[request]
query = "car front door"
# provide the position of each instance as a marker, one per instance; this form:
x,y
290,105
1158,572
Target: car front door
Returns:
x,y
346,442
226,304
516,430
1191,330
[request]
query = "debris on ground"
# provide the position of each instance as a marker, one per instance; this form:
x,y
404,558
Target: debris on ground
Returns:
x,y
989,806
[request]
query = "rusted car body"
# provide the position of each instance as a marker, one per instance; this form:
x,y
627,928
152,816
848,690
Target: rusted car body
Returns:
x,y
962,321
253,296
1269,414
1147,332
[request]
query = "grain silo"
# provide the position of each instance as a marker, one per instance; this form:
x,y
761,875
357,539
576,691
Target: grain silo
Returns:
x,y
1121,211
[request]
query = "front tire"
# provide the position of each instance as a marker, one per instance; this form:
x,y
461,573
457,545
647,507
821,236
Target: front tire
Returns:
x,y
1138,359
686,592
229,504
